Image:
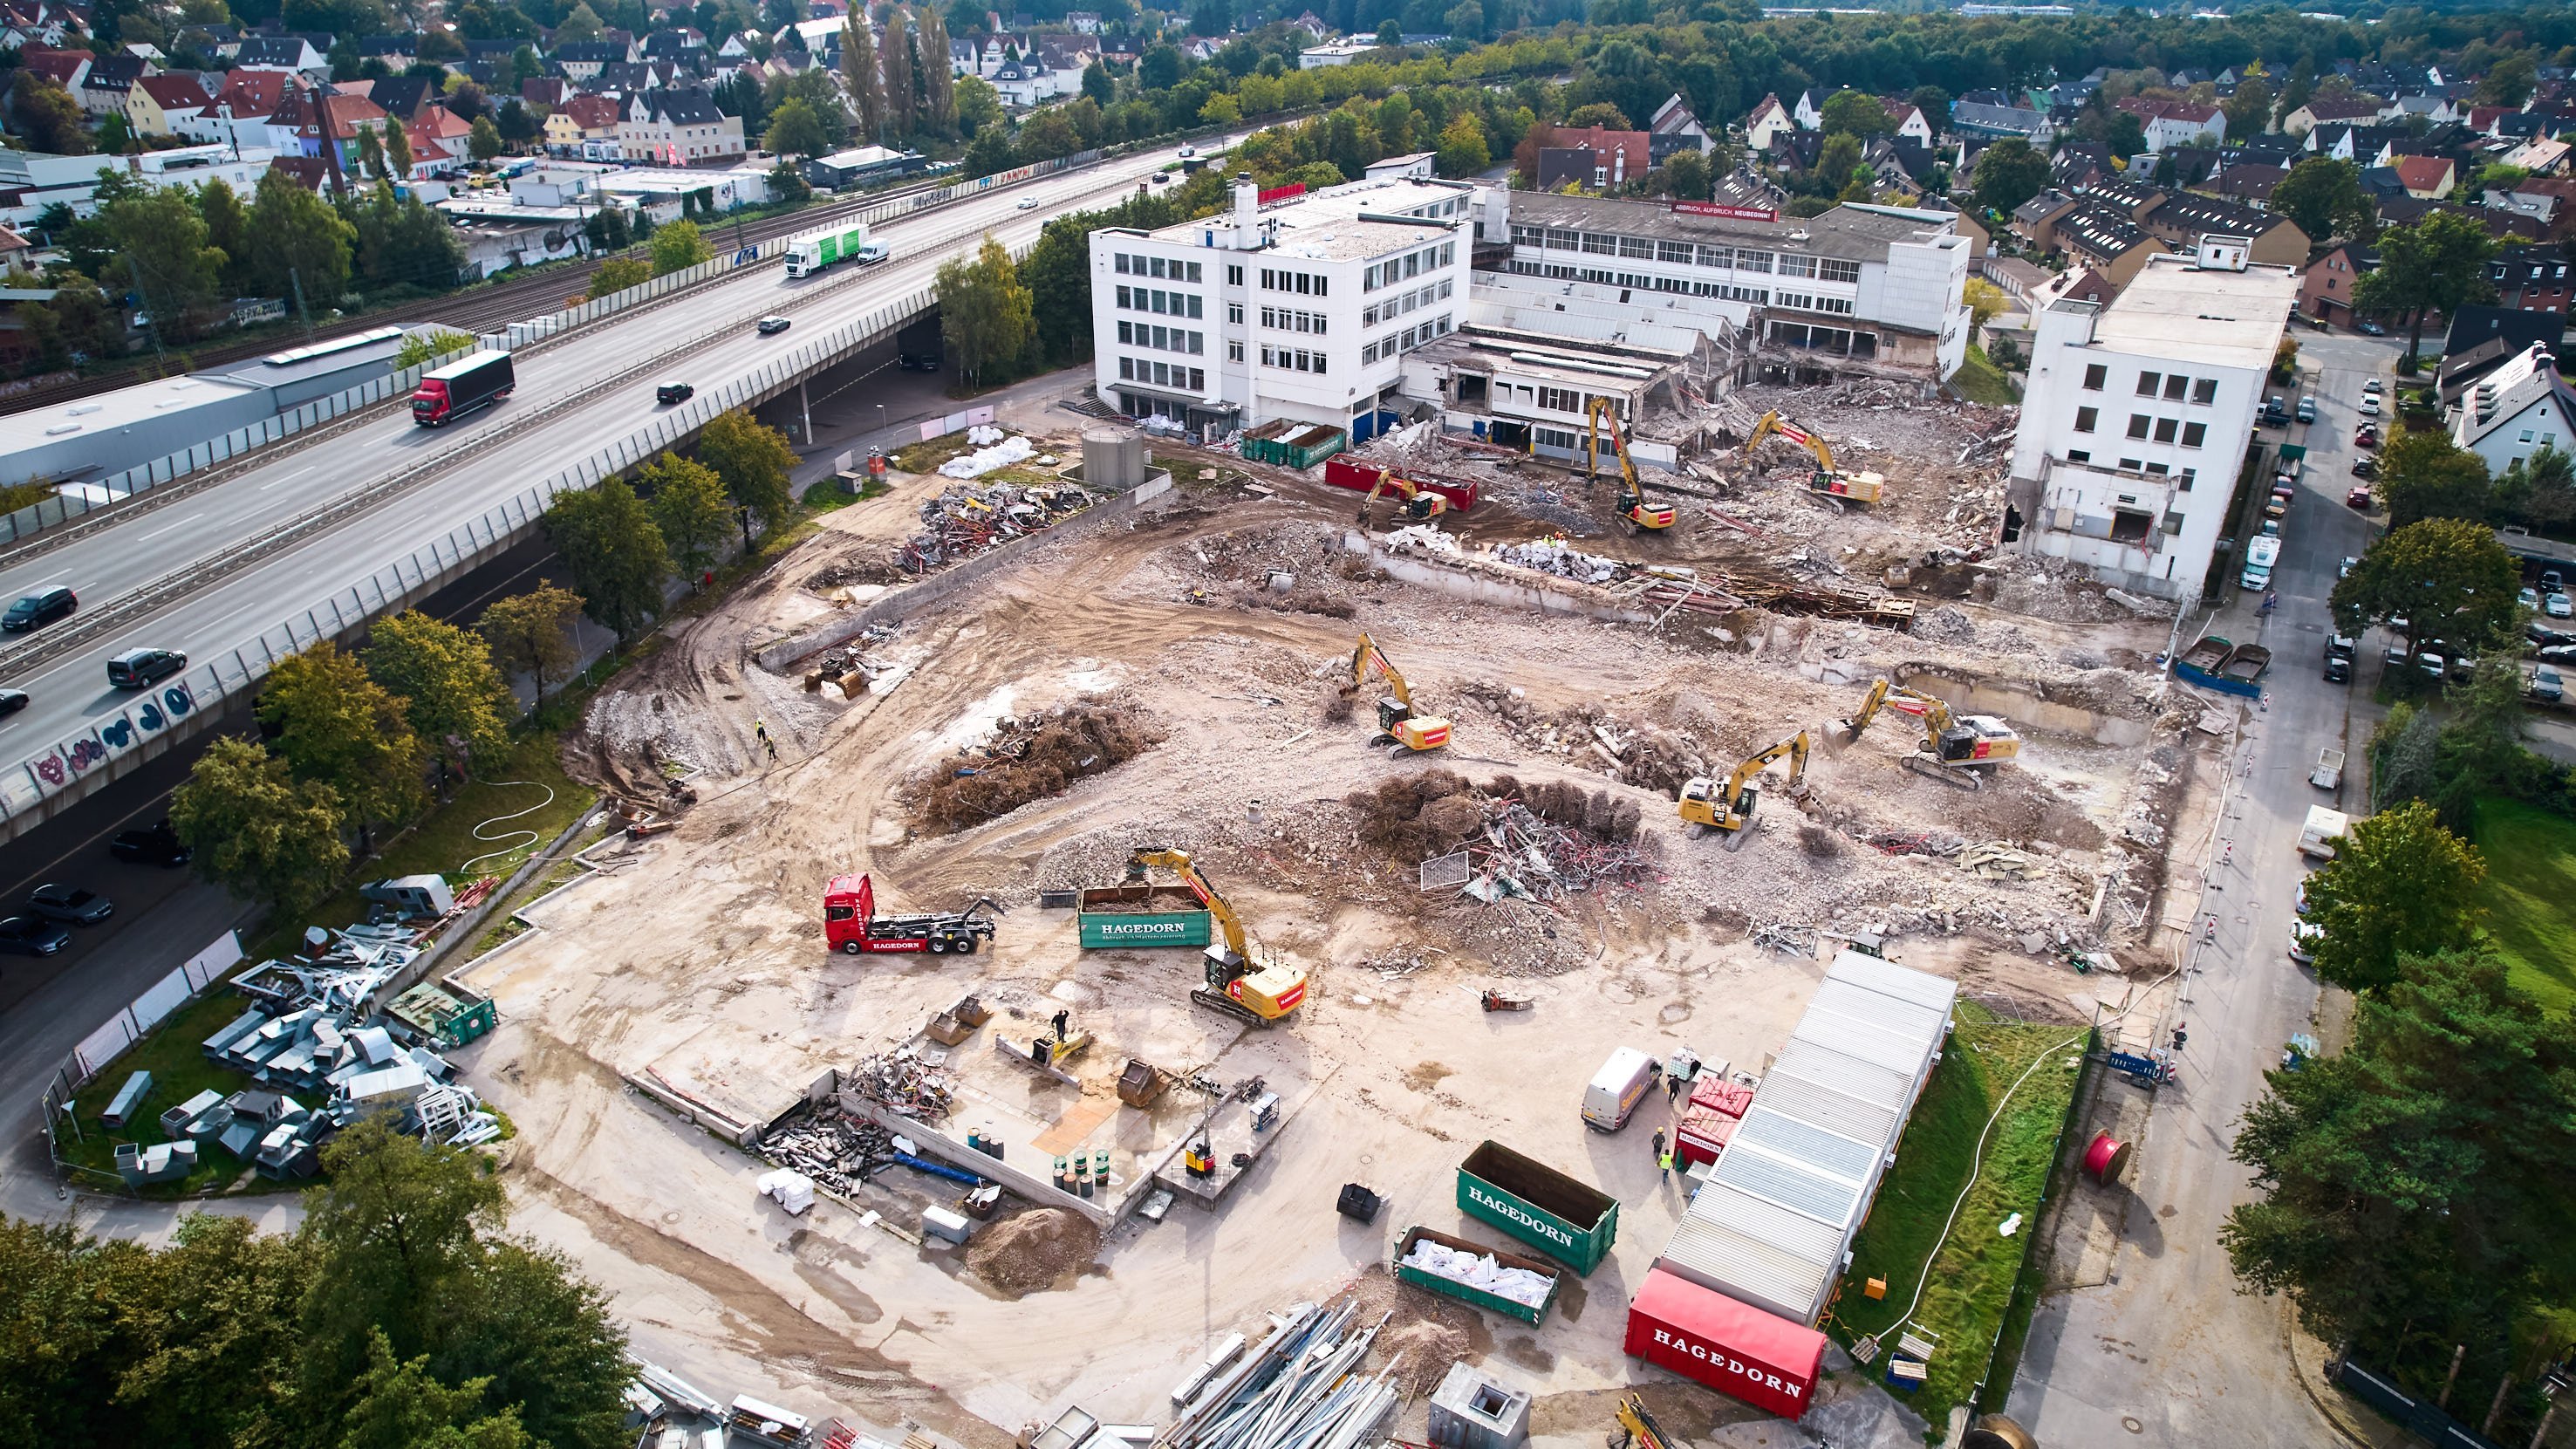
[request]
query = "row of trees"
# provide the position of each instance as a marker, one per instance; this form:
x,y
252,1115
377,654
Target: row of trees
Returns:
x,y
398,1315
621,545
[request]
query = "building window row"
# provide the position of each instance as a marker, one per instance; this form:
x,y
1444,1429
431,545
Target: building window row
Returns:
x,y
2175,386
1171,269
1394,307
1289,319
1405,341
2164,430
1412,264
1162,374
1155,299
1305,284
1679,253
1162,339
1294,359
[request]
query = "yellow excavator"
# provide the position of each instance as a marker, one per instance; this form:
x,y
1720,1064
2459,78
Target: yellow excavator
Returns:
x,y
1397,724
1637,1427
1708,807
1962,750
1420,504
1858,487
1260,992
1634,511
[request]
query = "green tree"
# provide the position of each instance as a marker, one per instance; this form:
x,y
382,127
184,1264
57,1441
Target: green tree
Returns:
x,y
937,86
2249,110
532,634
1686,175
483,141
2323,198
398,150
616,555
402,1406
1597,113
1057,275
690,507
1837,159
446,681
515,124
2540,491
1097,83
902,76
619,273
334,726
227,231
2418,1183
795,131
2399,886
161,256
2510,81
2437,264
2422,475
1985,302
1854,113
754,462
1463,150
678,247
861,77
986,315
1220,110
979,109
582,26
256,831
298,241
2008,173
2447,577
419,347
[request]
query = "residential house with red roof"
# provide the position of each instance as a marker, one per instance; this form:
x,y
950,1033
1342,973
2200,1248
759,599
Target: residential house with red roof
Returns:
x,y
2426,178
2168,124
439,138
166,105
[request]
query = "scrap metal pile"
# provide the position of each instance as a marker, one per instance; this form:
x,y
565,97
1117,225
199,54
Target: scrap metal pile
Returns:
x,y
968,518
1553,555
830,1147
1306,1387
902,1083
1523,855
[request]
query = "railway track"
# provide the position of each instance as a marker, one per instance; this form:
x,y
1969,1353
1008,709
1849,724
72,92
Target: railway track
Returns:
x,y
478,310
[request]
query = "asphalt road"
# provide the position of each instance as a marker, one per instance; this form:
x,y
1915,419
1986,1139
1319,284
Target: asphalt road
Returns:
x,y
71,692
2168,1353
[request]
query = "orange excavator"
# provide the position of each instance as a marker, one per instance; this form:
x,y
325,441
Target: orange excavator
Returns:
x,y
1397,724
1634,511
1420,504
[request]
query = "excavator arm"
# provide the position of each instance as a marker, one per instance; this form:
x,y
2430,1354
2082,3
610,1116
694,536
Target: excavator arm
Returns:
x,y
1633,507
1257,992
1774,423
1366,656
1870,705
1178,863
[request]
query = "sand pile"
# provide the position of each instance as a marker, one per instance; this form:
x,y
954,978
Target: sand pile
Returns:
x,y
1033,1251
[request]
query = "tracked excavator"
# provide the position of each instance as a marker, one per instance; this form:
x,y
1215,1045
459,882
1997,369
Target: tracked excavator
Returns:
x,y
1727,806
1259,992
1420,505
1634,511
1397,724
1858,487
1959,749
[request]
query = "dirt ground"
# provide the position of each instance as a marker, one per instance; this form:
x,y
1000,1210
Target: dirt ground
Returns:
x,y
698,957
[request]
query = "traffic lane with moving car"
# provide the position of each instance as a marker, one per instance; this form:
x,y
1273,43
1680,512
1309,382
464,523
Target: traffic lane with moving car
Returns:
x,y
208,625
221,518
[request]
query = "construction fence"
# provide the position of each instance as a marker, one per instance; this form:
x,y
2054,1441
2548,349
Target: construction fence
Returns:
x,y
166,995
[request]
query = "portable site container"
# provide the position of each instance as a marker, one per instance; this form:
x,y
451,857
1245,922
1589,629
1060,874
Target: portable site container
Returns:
x,y
1572,1222
1776,1217
1143,915
1702,1133
1360,475
1293,444
1741,1351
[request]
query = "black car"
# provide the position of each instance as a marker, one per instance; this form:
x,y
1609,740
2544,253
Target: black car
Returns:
x,y
27,936
70,905
143,668
12,701
36,610
159,845
2338,670
772,326
673,392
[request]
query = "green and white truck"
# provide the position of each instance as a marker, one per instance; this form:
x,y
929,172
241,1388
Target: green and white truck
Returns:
x,y
813,251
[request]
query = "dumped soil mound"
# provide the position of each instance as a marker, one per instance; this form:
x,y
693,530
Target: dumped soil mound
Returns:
x,y
1033,1251
1035,759
1430,1331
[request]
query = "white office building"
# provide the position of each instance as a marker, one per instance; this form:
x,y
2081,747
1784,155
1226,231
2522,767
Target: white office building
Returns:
x,y
1858,290
1300,309
2138,413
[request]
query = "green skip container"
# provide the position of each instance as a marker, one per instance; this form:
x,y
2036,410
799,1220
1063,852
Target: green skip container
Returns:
x,y
1130,917
1572,1222
1470,1293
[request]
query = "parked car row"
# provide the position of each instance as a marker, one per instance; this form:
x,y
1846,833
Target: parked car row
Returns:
x,y
39,928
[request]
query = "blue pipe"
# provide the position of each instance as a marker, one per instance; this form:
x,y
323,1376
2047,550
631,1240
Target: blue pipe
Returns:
x,y
937,1169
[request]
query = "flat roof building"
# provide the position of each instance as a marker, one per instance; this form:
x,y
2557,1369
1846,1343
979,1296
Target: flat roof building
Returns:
x,y
2138,414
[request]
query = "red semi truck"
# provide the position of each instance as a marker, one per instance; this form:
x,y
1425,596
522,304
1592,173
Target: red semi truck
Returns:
x,y
460,387
851,924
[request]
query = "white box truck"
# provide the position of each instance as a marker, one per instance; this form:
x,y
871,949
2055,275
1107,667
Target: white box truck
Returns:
x,y
2260,555
813,251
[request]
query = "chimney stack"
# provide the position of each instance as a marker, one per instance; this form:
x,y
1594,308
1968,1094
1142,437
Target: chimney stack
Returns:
x,y
1247,213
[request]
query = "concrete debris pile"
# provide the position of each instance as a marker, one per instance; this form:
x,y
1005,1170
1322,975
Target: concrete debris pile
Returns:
x,y
1996,861
1554,555
1421,538
968,518
1306,1386
903,1083
1481,1271
1524,855
993,449
829,1148
1912,842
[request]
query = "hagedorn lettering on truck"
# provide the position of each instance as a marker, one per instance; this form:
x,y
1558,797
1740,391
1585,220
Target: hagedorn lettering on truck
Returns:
x,y
851,924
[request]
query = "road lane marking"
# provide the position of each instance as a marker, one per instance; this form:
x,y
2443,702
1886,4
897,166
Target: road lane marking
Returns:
x,y
288,478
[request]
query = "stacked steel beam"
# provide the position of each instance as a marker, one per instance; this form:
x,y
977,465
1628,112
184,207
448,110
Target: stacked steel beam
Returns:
x,y
1306,1387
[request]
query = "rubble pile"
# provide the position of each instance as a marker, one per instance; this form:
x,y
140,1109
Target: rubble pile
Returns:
x,y
1033,758
901,1082
831,1148
1524,855
968,518
1554,555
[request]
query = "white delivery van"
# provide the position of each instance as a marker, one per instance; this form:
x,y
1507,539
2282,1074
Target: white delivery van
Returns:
x,y
1617,1088
2260,554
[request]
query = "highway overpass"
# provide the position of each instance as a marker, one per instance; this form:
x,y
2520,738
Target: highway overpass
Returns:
x,y
312,544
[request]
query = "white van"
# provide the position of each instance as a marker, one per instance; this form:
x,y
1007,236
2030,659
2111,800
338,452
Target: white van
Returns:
x,y
1617,1088
2260,554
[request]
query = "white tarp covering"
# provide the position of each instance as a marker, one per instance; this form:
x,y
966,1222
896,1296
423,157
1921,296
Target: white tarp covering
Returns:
x,y
1479,1271
992,451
